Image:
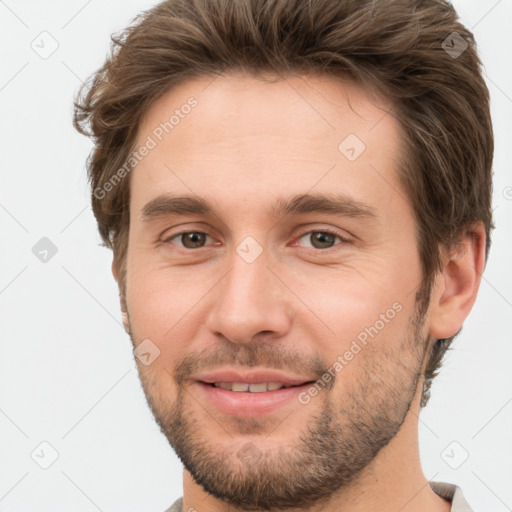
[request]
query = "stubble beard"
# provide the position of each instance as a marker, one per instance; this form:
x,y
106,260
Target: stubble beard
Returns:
x,y
337,444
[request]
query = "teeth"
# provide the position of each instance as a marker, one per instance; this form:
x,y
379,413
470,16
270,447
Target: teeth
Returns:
x,y
258,388
239,386
252,388
223,385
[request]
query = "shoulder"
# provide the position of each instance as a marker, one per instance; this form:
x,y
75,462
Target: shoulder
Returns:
x,y
452,493
176,506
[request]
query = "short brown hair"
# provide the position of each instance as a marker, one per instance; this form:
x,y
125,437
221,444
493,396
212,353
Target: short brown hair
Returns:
x,y
400,48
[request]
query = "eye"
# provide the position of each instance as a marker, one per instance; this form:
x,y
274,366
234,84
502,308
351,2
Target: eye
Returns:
x,y
189,239
322,239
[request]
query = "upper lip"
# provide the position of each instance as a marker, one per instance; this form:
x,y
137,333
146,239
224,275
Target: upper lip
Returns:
x,y
251,377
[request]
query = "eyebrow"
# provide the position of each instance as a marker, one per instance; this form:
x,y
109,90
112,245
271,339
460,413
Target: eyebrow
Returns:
x,y
337,204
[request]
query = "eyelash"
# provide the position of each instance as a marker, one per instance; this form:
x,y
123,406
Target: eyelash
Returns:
x,y
325,231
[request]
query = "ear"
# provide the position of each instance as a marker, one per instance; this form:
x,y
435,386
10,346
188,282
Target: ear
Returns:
x,y
114,269
124,312
457,285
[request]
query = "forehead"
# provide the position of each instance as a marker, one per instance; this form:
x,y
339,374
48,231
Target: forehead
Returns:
x,y
308,106
258,136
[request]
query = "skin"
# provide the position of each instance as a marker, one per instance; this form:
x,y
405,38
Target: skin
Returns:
x,y
296,307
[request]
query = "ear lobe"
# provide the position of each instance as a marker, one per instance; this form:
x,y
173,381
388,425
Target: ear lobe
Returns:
x,y
114,269
126,323
124,314
457,286
122,300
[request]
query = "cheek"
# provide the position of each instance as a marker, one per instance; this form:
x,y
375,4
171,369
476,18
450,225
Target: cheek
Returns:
x,y
348,301
161,301
160,310
364,315
145,301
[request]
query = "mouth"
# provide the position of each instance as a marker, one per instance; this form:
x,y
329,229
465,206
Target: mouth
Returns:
x,y
250,392
256,399
258,387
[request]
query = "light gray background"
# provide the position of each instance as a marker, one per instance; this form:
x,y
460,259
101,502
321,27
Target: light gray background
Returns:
x,y
67,374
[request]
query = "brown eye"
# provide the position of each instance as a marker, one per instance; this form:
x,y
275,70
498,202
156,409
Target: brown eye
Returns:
x,y
322,239
189,239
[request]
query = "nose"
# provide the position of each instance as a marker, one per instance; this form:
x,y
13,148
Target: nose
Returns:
x,y
249,301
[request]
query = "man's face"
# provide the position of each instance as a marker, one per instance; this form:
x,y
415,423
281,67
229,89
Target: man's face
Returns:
x,y
306,293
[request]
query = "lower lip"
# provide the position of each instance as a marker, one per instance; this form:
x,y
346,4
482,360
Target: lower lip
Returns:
x,y
240,403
